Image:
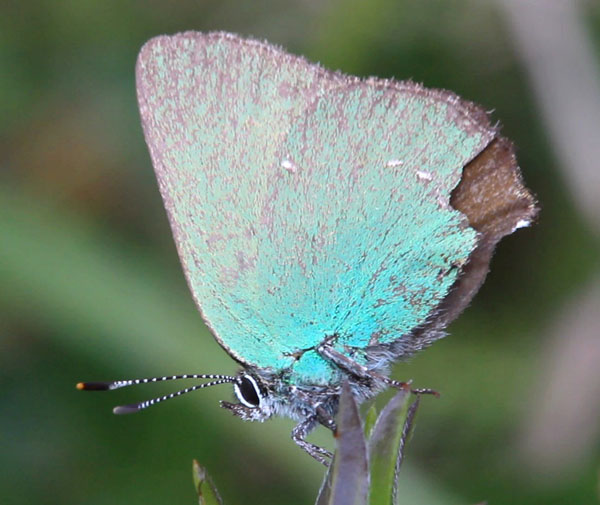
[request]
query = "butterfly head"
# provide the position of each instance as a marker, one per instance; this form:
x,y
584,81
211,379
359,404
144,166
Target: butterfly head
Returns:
x,y
255,401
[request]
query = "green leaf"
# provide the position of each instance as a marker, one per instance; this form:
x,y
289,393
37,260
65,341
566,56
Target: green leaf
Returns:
x,y
370,419
347,480
407,432
207,492
386,447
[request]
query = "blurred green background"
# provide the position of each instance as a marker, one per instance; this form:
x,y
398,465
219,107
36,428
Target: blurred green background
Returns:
x,y
91,287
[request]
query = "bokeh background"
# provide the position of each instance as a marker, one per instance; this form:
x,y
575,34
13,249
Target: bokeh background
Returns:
x,y
91,287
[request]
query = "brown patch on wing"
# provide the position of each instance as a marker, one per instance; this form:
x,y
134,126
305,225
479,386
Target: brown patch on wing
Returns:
x,y
492,196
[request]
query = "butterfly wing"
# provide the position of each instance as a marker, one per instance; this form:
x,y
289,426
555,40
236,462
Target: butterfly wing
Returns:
x,y
215,108
305,203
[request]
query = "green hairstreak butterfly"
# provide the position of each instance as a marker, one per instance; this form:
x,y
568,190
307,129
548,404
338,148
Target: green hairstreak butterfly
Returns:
x,y
327,225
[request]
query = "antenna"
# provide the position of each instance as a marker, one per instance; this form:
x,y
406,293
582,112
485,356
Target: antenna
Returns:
x,y
136,407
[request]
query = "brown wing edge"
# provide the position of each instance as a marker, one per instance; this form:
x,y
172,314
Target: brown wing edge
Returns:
x,y
492,196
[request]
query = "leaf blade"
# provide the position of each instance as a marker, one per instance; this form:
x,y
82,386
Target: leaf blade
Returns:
x,y
207,492
347,480
386,448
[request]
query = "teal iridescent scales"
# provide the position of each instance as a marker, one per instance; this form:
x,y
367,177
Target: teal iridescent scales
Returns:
x,y
306,203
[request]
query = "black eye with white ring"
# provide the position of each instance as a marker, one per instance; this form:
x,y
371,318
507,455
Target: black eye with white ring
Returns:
x,y
246,389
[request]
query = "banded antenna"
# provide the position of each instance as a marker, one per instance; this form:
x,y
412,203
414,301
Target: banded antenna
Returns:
x,y
136,407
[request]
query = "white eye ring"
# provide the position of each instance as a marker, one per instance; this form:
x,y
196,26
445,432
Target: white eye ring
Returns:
x,y
248,385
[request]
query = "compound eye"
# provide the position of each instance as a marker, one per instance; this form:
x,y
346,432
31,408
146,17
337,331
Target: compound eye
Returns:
x,y
246,389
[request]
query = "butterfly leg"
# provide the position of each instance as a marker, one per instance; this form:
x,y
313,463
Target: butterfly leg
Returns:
x,y
299,434
358,370
325,418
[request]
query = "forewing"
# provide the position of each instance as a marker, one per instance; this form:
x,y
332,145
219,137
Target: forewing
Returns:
x,y
215,109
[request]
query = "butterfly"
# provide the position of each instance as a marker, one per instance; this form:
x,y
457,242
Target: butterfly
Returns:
x,y
327,225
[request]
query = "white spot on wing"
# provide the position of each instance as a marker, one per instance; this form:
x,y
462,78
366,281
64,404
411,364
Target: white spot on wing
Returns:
x,y
422,175
289,166
394,163
521,223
